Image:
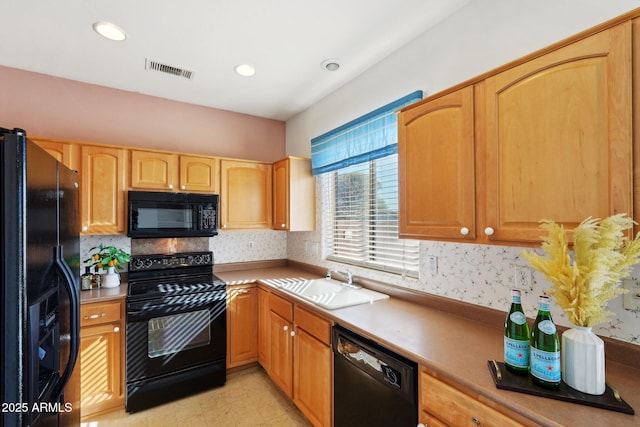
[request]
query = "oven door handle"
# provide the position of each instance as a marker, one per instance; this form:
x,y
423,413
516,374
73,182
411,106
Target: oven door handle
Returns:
x,y
171,308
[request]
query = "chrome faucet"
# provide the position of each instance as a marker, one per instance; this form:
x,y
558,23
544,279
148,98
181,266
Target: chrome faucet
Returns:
x,y
344,274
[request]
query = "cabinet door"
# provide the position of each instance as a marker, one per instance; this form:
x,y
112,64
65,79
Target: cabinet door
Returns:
x,y
456,408
242,314
558,137
102,195
312,378
65,152
199,174
264,329
294,205
101,372
281,195
436,161
281,352
245,195
153,171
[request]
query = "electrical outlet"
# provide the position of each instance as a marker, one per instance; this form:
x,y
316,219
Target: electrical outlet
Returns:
x,y
631,300
432,265
523,277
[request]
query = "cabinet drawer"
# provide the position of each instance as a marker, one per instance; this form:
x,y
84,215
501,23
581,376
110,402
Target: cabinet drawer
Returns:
x,y
313,324
281,306
457,408
103,312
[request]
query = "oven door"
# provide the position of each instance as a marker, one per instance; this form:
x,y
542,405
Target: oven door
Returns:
x,y
173,333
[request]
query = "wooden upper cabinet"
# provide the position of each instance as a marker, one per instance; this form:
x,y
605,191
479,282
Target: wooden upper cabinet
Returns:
x,y
245,195
293,195
199,174
558,137
65,152
102,191
436,168
151,170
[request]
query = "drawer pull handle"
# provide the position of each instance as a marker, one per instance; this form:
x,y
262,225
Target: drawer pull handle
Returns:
x,y
95,316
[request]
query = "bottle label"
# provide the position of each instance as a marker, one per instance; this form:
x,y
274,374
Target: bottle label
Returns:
x,y
516,353
545,365
518,318
547,327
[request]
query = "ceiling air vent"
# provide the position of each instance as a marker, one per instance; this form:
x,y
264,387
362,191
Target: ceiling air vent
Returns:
x,y
152,65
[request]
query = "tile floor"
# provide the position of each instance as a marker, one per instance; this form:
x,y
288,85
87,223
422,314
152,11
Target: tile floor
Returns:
x,y
249,398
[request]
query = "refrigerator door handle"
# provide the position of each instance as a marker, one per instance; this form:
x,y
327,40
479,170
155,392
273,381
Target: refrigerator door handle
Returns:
x,y
70,286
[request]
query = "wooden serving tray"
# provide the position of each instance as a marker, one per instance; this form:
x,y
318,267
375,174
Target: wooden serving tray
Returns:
x,y
507,380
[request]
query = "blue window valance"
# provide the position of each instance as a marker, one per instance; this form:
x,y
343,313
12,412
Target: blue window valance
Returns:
x,y
366,138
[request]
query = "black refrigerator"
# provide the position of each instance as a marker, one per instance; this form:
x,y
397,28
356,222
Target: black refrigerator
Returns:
x,y
39,313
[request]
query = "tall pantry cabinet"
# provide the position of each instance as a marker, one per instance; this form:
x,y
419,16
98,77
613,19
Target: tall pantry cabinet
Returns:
x,y
551,138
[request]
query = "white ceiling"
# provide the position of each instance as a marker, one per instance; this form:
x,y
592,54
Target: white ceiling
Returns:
x,y
286,40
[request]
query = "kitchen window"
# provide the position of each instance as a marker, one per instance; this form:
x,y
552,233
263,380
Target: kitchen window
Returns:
x,y
358,168
363,224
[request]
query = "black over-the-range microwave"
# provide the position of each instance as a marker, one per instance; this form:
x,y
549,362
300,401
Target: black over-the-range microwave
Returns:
x,y
163,214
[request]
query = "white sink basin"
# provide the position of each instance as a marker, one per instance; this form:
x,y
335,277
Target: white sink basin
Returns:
x,y
328,293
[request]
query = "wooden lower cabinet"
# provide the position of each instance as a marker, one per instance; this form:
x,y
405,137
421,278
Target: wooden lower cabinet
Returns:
x,y
444,405
313,367
101,357
299,357
242,321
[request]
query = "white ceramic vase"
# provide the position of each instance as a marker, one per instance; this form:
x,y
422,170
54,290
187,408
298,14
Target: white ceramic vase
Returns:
x,y
111,279
583,360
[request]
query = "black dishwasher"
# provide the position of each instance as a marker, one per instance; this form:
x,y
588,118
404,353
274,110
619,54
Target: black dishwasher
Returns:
x,y
372,385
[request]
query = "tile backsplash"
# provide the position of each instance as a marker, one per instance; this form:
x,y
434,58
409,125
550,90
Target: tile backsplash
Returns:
x,y
478,274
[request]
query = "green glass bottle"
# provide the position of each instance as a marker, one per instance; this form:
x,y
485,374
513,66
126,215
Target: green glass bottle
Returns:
x,y
516,337
545,348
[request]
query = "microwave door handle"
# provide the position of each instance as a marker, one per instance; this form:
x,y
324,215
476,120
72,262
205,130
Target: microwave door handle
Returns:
x,y
71,288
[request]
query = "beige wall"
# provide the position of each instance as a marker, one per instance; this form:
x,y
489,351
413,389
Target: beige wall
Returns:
x,y
53,107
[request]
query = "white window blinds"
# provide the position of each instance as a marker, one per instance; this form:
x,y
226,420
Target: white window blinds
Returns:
x,y
363,228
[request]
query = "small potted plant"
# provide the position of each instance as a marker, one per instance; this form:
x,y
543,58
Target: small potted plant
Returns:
x,y
109,258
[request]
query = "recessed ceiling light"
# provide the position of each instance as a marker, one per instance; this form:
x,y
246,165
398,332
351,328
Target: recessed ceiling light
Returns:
x,y
245,70
110,31
330,64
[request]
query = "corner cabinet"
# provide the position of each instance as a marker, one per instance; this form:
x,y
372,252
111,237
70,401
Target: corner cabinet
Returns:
x,y
65,152
245,195
242,321
101,356
293,195
550,138
103,189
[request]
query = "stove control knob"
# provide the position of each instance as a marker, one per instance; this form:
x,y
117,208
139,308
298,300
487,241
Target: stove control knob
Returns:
x,y
198,259
137,264
148,263
190,260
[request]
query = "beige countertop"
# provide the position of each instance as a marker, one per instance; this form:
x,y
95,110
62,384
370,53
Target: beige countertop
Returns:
x,y
457,347
104,294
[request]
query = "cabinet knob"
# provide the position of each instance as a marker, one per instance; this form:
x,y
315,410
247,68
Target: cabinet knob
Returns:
x,y
489,231
292,333
85,228
283,225
170,186
464,231
116,329
285,328
476,421
183,187
422,425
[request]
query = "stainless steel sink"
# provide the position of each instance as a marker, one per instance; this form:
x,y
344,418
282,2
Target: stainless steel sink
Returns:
x,y
328,293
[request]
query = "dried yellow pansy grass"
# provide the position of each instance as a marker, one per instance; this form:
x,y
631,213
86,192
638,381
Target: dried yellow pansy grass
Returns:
x,y
602,255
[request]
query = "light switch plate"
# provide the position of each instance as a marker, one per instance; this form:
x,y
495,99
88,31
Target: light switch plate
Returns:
x,y
631,300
